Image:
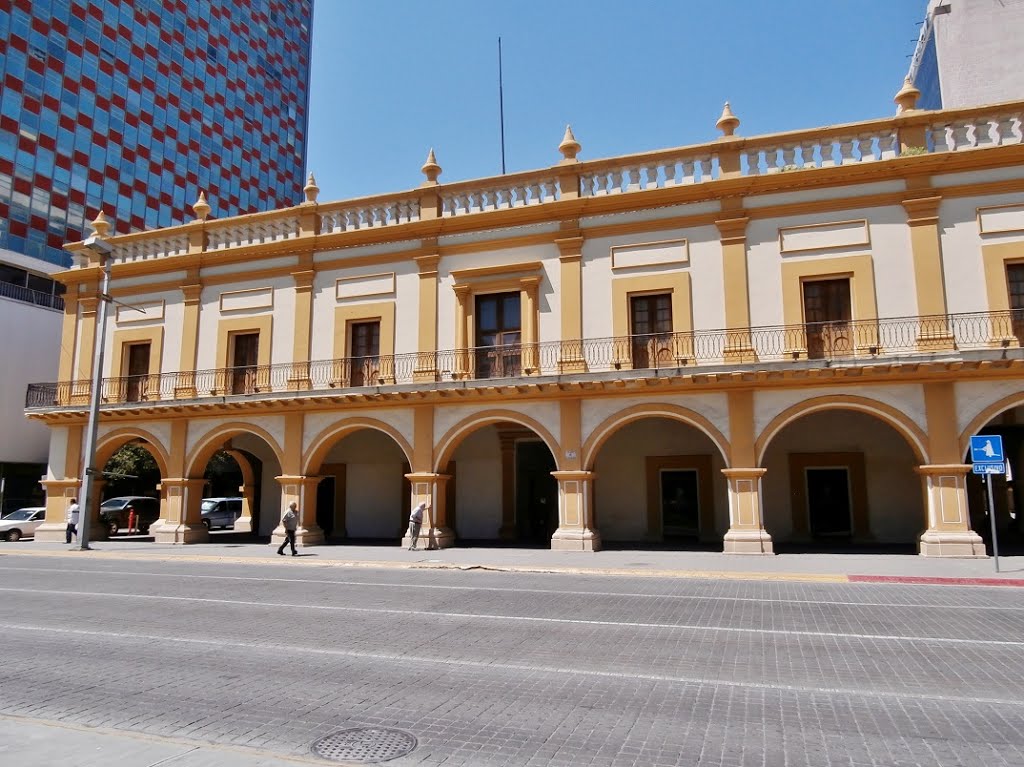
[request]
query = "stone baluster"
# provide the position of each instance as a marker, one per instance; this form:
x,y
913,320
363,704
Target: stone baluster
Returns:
x,y
789,156
889,146
535,193
616,185
652,176
959,134
865,145
632,178
807,154
686,172
669,169
827,158
846,151
1004,130
983,132
771,160
940,138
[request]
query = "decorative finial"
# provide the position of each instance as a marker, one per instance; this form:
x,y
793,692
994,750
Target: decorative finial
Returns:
x,y
728,122
311,189
201,207
431,169
906,99
569,147
100,226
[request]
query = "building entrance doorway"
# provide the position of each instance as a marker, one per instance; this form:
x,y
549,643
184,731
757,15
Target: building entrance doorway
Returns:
x,y
828,501
536,493
827,314
680,503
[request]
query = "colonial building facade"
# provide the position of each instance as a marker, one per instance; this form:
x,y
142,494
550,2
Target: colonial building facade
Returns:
x,y
744,343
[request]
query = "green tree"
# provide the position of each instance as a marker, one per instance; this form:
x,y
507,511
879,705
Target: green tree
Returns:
x,y
136,461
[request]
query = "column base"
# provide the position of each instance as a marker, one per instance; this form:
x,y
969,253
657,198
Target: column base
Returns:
x,y
747,542
243,525
178,533
964,544
435,538
575,539
304,536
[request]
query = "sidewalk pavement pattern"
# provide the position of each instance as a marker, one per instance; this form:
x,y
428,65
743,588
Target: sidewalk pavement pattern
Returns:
x,y
830,568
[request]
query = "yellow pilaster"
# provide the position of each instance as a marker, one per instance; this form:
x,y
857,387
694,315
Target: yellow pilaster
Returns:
x,y
528,287
299,378
733,234
746,533
185,386
570,248
87,326
181,519
426,359
462,298
944,481
576,531
925,245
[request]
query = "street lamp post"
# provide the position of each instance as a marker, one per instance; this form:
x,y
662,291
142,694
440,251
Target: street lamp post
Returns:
x,y
100,247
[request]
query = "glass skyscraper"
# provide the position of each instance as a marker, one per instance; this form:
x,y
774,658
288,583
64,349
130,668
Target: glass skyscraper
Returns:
x,y
136,106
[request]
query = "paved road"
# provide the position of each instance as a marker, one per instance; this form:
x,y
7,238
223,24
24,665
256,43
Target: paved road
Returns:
x,y
518,669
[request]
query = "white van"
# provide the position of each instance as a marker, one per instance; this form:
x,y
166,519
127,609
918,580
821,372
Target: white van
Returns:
x,y
221,512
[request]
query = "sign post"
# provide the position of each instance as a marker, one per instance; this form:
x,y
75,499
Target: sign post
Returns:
x,y
988,459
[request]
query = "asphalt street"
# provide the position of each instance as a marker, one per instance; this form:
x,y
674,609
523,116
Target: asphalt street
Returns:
x,y
480,668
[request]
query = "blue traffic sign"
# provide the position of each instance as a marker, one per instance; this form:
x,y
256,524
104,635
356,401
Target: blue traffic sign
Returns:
x,y
987,448
989,468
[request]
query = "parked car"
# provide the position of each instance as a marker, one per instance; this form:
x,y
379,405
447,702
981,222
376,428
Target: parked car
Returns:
x,y
21,523
221,512
114,512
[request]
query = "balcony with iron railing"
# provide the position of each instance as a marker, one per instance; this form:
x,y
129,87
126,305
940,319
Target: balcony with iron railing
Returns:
x,y
857,342
29,296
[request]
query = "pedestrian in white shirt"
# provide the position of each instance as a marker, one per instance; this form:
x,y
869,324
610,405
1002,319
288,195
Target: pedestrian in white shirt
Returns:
x,y
415,522
71,517
290,521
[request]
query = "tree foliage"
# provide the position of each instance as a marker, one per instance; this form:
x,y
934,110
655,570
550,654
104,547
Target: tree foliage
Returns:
x,y
135,460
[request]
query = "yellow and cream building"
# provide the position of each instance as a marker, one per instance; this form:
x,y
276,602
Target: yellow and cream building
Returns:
x,y
744,343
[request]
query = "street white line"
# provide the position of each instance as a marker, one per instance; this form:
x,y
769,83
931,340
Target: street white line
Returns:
x,y
433,662
523,618
505,589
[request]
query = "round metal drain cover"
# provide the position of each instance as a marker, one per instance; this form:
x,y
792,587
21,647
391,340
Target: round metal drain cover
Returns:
x,y
364,745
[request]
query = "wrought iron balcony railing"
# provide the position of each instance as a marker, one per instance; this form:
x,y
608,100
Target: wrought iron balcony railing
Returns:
x,y
851,341
29,296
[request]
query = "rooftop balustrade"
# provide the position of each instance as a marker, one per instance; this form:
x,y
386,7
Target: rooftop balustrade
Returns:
x,y
858,342
905,136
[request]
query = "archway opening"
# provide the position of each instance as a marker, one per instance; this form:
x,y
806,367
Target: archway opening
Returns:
x,y
842,480
364,495
130,498
659,484
241,498
500,489
1007,489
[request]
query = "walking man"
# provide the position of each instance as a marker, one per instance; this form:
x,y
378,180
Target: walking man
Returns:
x,y
290,521
415,522
71,517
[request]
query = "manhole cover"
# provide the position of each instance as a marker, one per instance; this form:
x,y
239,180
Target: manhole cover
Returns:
x,y
364,745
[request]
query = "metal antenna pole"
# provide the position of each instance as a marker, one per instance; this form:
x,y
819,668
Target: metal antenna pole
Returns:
x,y
84,516
501,108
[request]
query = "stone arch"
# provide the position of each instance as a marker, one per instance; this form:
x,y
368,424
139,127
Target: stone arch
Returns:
x,y
986,415
910,431
446,446
601,434
114,440
211,442
326,439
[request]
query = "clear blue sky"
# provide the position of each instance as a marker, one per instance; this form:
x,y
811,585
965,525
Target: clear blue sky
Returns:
x,y
392,79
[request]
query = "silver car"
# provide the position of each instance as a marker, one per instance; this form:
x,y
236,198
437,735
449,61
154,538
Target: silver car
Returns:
x,y
22,523
221,512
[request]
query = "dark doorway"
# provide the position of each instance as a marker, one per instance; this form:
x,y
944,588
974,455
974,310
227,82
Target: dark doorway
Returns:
x,y
536,493
498,335
650,329
827,317
137,370
828,501
1015,283
325,505
680,503
364,343
244,357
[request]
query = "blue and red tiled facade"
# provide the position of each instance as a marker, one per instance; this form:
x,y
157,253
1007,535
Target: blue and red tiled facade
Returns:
x,y
136,106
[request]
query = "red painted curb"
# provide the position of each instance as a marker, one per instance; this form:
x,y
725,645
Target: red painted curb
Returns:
x,y
936,580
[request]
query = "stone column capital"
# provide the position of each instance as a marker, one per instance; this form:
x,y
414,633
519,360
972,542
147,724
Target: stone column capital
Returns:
x,y
940,469
744,473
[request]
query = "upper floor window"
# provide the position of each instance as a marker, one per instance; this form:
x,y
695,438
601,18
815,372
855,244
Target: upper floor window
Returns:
x,y
827,317
498,335
650,324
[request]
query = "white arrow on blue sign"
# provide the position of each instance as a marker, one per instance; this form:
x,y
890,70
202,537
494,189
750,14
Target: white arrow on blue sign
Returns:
x,y
987,448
